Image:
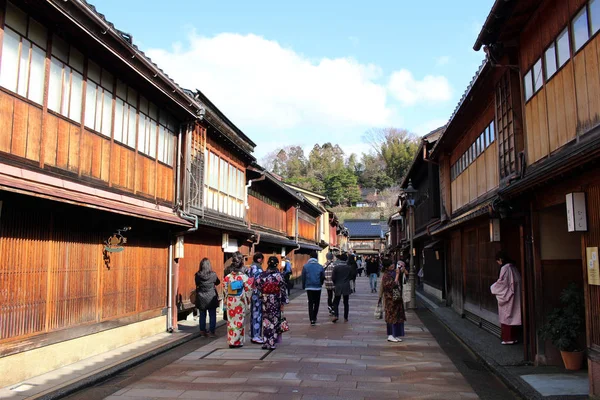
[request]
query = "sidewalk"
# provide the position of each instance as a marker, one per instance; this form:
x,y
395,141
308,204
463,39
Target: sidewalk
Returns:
x,y
507,362
329,361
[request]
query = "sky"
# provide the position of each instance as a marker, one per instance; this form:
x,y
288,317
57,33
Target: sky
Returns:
x,y
306,72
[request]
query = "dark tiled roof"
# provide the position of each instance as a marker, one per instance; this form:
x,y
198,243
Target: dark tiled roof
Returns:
x,y
366,228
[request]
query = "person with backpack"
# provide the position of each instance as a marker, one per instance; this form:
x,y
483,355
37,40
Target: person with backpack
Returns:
x,y
256,310
313,276
272,287
329,285
207,299
237,291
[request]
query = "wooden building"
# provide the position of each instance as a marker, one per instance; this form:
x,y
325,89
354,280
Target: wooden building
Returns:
x,y
313,225
271,213
366,236
216,155
428,251
89,132
552,47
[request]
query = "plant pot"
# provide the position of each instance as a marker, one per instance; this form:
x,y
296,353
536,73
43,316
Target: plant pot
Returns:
x,y
572,359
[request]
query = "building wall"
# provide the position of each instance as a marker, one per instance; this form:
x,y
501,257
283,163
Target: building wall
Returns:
x,y
566,104
66,112
55,280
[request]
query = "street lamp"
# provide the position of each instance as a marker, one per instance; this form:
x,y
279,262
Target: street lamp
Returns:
x,y
410,194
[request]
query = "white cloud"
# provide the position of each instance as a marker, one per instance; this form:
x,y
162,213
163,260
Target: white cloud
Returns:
x,y
442,60
408,90
260,84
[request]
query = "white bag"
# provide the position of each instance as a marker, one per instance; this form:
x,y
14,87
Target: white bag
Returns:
x,y
405,290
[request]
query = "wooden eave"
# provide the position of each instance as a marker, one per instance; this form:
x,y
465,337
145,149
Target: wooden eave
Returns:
x,y
105,42
505,22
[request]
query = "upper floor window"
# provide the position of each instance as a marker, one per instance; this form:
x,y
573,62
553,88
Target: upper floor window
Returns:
x,y
550,61
125,115
98,99
224,186
581,32
563,52
594,6
22,67
65,90
478,147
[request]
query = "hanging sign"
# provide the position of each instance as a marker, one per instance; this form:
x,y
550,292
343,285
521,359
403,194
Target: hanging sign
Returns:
x,y
494,230
592,266
576,212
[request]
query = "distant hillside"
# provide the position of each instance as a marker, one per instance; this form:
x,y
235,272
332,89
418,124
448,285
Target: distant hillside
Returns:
x,y
344,213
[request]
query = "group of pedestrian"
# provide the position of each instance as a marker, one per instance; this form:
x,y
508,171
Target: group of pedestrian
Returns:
x,y
263,291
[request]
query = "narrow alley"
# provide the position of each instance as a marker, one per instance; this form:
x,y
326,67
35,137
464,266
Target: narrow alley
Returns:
x,y
329,361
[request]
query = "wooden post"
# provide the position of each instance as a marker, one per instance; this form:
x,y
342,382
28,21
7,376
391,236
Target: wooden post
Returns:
x,y
175,294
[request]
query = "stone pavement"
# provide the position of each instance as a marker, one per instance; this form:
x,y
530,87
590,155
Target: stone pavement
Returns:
x,y
329,361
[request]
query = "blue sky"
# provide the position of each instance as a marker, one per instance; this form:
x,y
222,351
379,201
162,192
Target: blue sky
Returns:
x,y
298,73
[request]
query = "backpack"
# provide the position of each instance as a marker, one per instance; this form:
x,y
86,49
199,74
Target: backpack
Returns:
x,y
235,288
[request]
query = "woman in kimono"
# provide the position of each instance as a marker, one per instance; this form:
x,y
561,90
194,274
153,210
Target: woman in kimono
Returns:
x,y
273,289
394,308
507,290
256,310
237,292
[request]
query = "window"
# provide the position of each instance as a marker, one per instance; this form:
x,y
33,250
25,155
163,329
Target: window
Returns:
x,y
98,99
580,29
65,90
562,45
537,75
550,61
224,186
594,15
492,132
22,68
166,138
528,85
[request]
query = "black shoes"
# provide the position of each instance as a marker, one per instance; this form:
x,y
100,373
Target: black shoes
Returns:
x,y
313,323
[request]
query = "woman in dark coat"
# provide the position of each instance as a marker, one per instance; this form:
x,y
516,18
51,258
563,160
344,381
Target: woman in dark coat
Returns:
x,y
207,299
394,308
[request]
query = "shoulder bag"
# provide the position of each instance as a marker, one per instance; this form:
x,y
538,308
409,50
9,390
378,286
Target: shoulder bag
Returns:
x,y
378,310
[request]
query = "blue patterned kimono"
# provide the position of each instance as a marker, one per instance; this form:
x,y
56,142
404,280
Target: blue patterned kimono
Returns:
x,y
273,281
256,310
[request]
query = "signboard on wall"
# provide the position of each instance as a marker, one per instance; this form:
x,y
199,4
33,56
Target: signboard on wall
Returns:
x,y
576,212
592,266
494,230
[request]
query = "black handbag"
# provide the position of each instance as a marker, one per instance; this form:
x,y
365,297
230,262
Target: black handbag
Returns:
x,y
396,293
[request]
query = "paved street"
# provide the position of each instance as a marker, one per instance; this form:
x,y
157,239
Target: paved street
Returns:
x,y
329,361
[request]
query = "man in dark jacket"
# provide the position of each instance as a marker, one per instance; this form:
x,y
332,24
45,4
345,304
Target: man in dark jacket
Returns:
x,y
372,273
313,276
341,277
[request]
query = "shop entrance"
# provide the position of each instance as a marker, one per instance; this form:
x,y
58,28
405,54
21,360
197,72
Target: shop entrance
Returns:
x,y
560,259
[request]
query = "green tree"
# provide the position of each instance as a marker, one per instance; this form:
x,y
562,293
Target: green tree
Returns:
x,y
395,147
342,188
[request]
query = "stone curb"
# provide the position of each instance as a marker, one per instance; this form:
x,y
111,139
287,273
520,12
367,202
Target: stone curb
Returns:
x,y
109,371
515,383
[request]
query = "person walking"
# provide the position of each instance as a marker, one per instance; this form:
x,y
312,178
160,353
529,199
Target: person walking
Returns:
x,y
207,299
238,290
329,285
393,304
341,277
372,273
256,309
287,274
354,269
313,277
273,289
507,290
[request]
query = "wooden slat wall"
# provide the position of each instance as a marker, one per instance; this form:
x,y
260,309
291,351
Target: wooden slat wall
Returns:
x,y
52,274
266,215
479,178
197,246
592,239
290,217
110,164
445,184
569,103
455,271
307,230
